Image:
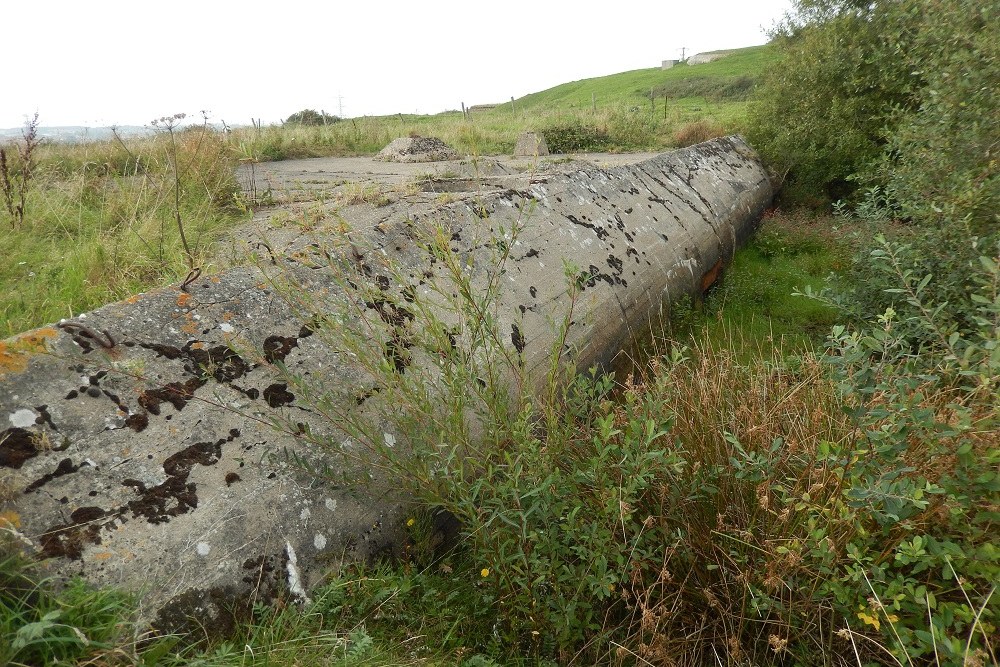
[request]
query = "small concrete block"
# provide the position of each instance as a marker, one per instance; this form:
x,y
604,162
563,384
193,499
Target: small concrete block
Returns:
x,y
530,144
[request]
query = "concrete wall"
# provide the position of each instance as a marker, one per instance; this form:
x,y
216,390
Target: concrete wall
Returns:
x,y
702,58
135,441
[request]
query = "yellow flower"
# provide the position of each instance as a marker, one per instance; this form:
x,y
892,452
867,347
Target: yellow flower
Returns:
x,y
485,572
410,522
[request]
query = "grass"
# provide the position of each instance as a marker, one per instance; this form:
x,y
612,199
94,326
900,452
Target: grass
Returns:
x,y
791,252
632,88
100,223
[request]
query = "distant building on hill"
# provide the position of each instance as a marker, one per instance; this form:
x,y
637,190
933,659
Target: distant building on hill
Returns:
x,y
667,64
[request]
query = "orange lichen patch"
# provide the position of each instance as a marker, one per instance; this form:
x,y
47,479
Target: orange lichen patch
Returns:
x,y
183,299
191,327
134,299
198,345
102,555
226,316
14,352
10,519
216,279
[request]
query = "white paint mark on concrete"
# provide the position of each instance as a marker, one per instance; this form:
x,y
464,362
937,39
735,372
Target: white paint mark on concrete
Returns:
x,y
22,418
390,439
227,327
319,541
203,548
294,577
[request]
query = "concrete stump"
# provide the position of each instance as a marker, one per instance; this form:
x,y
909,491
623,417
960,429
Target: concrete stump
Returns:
x,y
531,144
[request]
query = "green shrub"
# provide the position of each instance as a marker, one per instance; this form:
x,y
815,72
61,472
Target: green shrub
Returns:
x,y
311,117
885,93
573,135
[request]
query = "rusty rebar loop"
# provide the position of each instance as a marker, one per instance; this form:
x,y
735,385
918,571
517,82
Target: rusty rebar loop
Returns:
x,y
102,338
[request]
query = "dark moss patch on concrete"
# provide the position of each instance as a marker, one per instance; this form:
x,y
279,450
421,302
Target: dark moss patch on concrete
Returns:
x,y
70,539
277,395
276,348
16,446
65,467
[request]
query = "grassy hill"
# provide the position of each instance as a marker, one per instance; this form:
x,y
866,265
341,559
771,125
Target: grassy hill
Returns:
x,y
633,87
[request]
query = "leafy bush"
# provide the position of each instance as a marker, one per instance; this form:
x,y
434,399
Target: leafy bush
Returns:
x,y
940,163
820,115
572,135
897,93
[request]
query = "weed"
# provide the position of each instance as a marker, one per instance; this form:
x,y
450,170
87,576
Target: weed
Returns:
x,y
168,124
103,222
15,180
363,193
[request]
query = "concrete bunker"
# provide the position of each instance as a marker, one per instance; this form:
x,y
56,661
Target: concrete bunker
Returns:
x,y
135,443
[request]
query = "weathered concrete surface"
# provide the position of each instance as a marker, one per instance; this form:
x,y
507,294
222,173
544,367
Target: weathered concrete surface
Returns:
x,y
135,441
530,144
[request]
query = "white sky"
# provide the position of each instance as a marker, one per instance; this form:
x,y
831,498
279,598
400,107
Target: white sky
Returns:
x,y
102,62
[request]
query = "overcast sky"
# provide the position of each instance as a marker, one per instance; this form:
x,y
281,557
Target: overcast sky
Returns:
x,y
103,62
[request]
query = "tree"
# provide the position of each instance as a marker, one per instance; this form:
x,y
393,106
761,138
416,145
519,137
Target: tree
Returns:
x,y
825,111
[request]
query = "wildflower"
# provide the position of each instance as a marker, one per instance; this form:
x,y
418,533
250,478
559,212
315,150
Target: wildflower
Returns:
x,y
410,521
485,572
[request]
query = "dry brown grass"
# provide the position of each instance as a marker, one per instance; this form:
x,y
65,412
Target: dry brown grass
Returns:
x,y
740,531
697,132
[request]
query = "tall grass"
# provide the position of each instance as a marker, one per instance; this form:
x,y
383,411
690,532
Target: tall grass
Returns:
x,y
102,222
